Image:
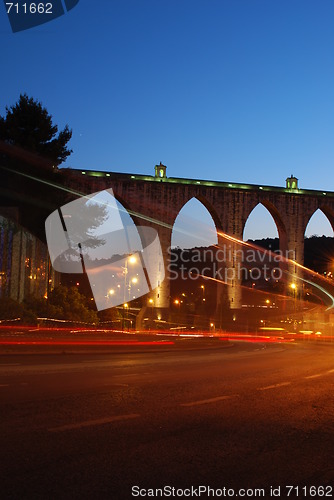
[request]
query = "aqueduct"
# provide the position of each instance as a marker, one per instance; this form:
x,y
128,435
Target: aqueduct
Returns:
x,y
156,201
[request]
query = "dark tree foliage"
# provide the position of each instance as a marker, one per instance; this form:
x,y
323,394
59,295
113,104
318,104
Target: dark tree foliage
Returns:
x,y
31,149
28,127
73,305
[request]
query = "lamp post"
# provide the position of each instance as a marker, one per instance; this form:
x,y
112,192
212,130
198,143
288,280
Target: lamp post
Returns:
x,y
125,308
203,289
151,302
178,304
293,287
127,287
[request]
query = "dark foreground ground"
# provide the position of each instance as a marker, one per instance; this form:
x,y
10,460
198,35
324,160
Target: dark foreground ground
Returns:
x,y
199,412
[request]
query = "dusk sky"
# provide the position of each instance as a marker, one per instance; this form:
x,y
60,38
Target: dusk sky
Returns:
x,y
231,90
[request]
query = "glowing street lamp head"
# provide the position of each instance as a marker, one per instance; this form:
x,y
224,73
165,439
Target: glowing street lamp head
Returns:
x,y
176,301
111,292
150,301
293,286
134,280
132,259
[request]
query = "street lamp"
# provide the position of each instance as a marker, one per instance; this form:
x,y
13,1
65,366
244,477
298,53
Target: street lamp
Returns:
x,y
125,308
132,260
151,302
293,287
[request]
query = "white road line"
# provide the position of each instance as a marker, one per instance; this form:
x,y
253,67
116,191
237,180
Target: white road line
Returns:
x,y
102,362
115,385
207,401
314,376
91,423
274,386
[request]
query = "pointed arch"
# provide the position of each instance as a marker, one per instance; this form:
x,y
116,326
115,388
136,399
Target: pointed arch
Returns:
x,y
195,225
266,209
320,223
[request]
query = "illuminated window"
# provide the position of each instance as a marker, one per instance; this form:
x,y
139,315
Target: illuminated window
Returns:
x,y
160,171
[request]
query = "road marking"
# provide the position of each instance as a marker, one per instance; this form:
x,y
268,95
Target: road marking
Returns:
x,y
91,423
330,371
96,361
4,385
282,384
314,376
207,401
115,385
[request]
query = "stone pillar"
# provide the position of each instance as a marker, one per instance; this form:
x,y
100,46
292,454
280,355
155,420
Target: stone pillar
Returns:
x,y
33,266
17,278
235,253
156,303
233,273
295,250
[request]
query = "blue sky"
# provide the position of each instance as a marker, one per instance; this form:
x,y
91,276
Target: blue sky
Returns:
x,y
233,90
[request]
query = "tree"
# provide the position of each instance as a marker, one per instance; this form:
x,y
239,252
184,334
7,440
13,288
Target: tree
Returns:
x,y
31,149
28,127
74,305
11,309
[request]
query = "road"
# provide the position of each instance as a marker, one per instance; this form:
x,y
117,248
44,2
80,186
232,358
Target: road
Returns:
x,y
236,415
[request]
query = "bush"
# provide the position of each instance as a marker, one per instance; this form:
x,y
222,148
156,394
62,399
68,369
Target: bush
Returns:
x,y
10,309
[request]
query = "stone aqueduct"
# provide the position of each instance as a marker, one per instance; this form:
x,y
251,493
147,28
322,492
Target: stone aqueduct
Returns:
x,y
159,199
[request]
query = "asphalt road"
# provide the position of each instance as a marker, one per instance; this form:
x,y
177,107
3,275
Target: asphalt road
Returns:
x,y
94,425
